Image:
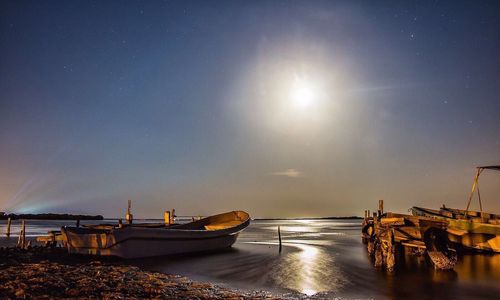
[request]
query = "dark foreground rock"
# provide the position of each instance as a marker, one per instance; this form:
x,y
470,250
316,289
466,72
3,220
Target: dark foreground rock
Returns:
x,y
43,275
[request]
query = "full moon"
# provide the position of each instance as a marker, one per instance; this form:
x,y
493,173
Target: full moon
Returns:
x,y
302,94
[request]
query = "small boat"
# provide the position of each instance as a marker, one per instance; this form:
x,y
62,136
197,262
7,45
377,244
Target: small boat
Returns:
x,y
145,240
474,230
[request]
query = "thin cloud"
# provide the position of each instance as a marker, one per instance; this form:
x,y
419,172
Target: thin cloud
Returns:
x,y
292,173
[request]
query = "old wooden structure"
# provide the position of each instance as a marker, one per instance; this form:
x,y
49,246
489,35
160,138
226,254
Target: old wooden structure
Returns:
x,y
387,234
476,231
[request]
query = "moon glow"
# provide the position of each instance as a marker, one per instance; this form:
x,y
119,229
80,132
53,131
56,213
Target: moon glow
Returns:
x,y
302,94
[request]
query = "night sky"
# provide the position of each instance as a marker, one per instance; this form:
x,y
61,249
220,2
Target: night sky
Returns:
x,y
280,108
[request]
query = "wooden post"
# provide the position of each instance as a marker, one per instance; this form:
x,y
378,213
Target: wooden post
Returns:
x,y
390,255
375,222
380,207
167,218
9,221
129,217
379,256
23,234
52,243
279,237
19,240
171,216
77,222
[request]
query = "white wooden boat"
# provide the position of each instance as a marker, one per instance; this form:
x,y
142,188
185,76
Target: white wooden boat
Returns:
x,y
143,240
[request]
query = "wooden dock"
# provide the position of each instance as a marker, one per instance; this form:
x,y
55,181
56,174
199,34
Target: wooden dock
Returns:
x,y
389,234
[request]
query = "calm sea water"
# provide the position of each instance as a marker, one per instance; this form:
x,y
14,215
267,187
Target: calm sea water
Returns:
x,y
325,258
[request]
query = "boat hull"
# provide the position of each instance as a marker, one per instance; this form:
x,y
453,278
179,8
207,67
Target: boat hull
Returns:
x,y
137,247
209,234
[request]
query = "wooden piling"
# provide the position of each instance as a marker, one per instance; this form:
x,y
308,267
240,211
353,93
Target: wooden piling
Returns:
x,y
380,207
19,238
21,242
390,257
167,217
52,237
129,217
24,234
279,237
77,222
9,221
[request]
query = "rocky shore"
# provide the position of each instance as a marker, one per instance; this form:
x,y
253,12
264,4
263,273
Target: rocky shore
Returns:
x,y
40,273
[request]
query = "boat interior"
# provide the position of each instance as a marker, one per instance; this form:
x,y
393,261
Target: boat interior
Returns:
x,y
459,214
217,222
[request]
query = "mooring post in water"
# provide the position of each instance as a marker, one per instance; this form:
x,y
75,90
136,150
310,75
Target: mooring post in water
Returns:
x,y
77,222
23,234
129,217
390,258
279,237
9,221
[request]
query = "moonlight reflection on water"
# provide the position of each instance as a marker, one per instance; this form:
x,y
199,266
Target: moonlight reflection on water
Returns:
x,y
309,264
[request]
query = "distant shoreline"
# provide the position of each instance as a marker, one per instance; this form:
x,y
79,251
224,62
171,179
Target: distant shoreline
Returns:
x,y
73,217
50,216
261,219
312,218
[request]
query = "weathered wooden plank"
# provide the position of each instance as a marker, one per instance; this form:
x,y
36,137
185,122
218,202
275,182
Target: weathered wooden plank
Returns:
x,y
392,221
